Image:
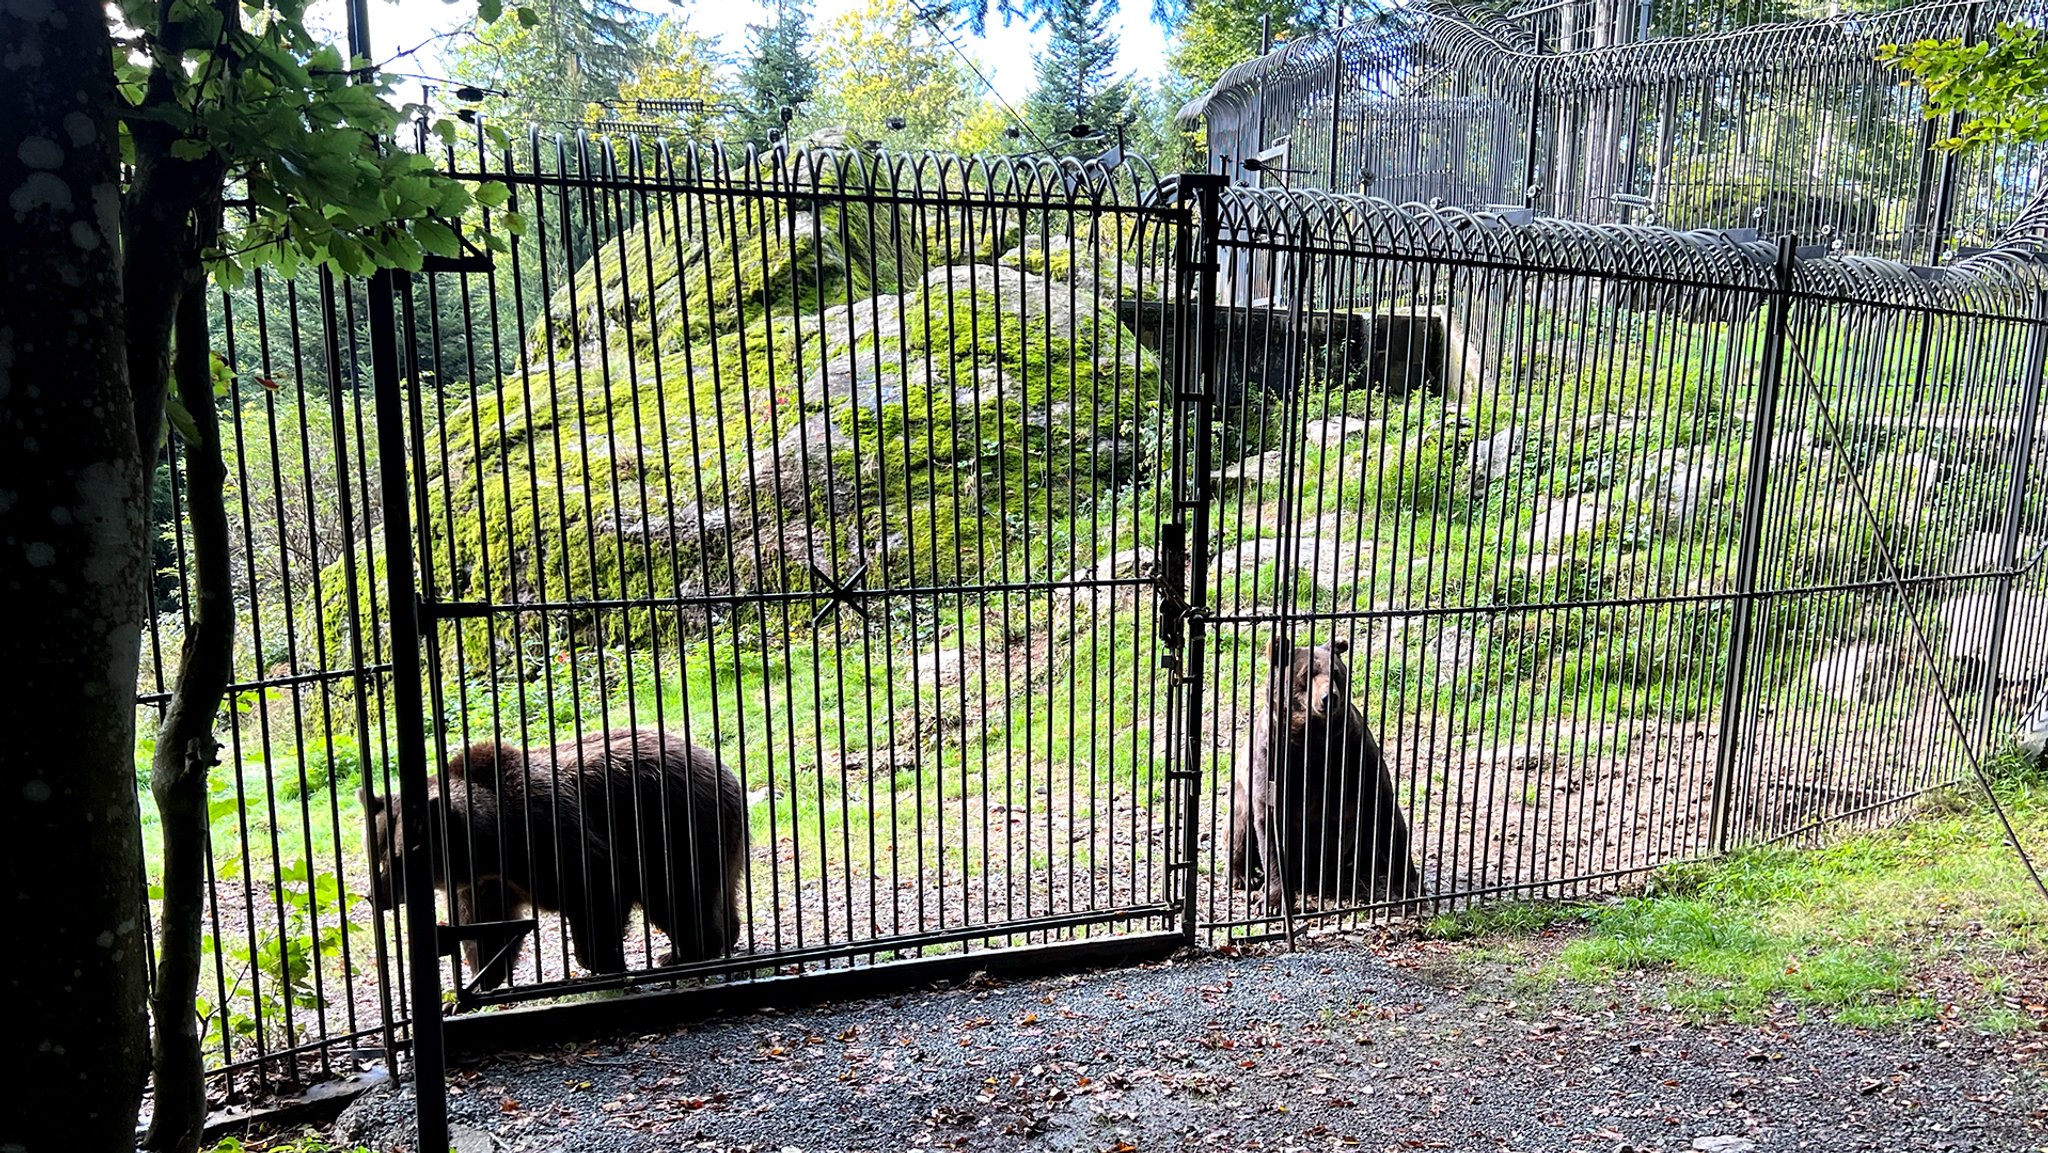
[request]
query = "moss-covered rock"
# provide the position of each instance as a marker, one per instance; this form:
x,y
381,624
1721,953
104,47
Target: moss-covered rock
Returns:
x,y
961,431
1106,261
985,412
670,284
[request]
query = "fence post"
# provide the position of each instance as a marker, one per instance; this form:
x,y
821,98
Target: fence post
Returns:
x,y
422,939
2015,508
1735,679
1535,125
1184,555
1945,193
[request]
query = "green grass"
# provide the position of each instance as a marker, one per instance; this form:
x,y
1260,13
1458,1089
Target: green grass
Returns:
x,y
1855,931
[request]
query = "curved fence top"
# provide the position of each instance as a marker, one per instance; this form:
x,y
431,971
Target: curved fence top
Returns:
x,y
822,166
1457,37
2003,282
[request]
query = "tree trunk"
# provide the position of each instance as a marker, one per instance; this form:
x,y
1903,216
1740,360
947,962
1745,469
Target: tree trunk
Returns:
x,y
171,212
74,535
186,751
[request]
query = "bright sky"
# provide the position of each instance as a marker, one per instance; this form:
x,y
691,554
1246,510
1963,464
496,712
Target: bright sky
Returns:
x,y
1006,55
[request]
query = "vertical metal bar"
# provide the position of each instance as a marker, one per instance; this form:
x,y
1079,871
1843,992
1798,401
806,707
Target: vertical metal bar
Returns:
x,y
1735,680
430,1098
1945,196
1259,122
2015,503
1192,498
1330,177
1535,126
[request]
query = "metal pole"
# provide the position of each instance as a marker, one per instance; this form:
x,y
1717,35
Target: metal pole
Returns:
x,y
1331,180
1193,498
1945,196
1535,125
1735,681
2015,503
422,938
1259,126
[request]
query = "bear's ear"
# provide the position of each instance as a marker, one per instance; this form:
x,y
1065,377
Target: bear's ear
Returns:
x,y
371,801
1340,646
480,763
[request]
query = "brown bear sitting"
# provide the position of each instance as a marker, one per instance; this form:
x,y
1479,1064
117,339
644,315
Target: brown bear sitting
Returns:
x,y
589,828
1325,801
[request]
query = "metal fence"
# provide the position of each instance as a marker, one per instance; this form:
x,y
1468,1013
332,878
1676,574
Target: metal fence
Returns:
x,y
832,465
1644,545
296,985
1583,111
967,514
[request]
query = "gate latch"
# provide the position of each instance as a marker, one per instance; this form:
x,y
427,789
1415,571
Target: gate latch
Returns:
x,y
1169,586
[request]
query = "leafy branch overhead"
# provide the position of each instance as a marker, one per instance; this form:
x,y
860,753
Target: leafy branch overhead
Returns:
x,y
1997,89
302,136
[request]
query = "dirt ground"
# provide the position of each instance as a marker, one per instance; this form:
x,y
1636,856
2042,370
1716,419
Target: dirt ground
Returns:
x,y
1362,1042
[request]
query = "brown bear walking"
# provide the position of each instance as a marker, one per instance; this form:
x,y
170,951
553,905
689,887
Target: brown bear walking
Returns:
x,y
589,828
1316,794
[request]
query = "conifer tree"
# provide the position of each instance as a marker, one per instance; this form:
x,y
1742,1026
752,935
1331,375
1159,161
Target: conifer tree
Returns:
x,y
1077,83
778,73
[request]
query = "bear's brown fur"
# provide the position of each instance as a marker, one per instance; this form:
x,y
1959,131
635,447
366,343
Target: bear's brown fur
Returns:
x,y
1316,793
589,829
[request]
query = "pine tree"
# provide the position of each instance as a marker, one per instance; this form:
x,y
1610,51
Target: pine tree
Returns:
x,y
1076,79
778,73
574,54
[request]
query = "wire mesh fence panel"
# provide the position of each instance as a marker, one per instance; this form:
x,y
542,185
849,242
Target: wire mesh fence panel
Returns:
x,y
1549,554
1896,629
836,478
827,558
291,986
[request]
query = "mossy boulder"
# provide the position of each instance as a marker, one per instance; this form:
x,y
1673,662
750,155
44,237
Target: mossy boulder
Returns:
x,y
1107,262
957,432
700,265
983,414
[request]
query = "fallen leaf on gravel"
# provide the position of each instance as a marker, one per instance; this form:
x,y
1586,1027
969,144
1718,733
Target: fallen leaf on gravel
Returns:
x,y
508,1105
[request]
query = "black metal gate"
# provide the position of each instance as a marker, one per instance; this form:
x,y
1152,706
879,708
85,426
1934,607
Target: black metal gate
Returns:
x,y
855,473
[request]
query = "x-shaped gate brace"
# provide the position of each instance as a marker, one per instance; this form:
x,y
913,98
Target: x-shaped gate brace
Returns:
x,y
494,940
845,593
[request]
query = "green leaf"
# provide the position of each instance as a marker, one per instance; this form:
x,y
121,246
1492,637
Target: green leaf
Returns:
x,y
489,10
492,194
437,238
528,18
181,420
190,149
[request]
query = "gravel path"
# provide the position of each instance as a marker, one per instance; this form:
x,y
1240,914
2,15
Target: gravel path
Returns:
x,y
1352,1045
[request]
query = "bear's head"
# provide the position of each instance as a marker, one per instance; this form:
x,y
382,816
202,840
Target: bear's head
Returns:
x,y
387,880
480,764
1315,684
